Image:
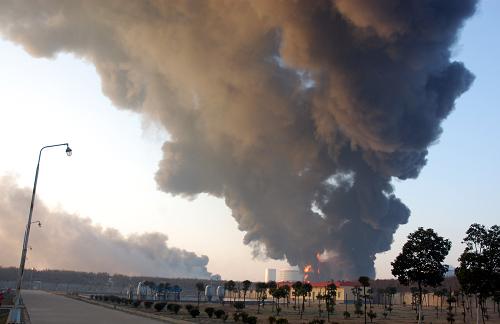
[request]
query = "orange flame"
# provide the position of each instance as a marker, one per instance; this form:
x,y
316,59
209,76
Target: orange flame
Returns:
x,y
308,268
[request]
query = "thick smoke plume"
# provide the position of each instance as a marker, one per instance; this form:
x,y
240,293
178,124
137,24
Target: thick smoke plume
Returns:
x,y
276,106
70,242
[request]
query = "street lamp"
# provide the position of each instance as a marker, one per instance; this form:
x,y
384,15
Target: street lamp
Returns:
x,y
15,314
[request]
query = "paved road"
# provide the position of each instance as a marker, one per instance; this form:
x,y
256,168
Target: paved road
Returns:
x,y
46,308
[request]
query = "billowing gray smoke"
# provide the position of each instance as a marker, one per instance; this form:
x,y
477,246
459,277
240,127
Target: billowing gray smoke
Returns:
x,y
276,106
70,242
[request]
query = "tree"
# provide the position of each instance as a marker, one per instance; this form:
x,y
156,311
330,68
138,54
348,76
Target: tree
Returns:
x,y
304,291
246,287
286,288
421,261
162,290
356,291
260,290
272,286
296,288
479,270
365,282
200,287
279,293
391,291
330,294
230,286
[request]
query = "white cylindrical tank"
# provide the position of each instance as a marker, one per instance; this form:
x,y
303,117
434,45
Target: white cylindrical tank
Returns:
x,y
220,292
143,291
209,292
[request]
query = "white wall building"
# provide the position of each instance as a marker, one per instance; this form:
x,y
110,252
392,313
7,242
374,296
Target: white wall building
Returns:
x,y
289,275
270,274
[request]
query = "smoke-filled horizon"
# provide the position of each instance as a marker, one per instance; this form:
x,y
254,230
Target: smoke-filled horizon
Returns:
x,y
70,242
298,114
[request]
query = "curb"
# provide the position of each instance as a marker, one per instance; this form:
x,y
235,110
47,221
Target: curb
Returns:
x,y
130,311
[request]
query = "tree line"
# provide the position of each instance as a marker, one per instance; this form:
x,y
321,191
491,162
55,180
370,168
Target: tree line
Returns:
x,y
421,263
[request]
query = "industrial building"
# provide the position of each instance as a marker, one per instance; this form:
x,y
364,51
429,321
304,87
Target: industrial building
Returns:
x,y
270,275
289,275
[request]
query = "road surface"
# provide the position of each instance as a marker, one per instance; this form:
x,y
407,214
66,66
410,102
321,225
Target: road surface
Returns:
x,y
46,308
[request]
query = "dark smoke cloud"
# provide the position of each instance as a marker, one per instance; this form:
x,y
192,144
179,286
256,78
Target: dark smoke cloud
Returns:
x,y
276,106
70,242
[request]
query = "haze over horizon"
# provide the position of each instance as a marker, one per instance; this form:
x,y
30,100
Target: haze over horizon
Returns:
x,y
327,111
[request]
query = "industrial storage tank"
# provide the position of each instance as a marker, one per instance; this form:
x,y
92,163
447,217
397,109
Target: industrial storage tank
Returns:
x,y
209,292
144,292
220,293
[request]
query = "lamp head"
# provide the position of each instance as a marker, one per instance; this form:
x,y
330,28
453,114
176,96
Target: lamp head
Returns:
x,y
68,151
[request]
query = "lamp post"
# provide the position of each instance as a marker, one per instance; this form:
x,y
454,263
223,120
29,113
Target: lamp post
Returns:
x,y
15,314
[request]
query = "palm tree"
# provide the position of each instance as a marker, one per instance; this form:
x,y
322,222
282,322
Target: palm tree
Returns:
x,y
286,288
177,292
391,291
330,295
230,286
296,288
200,286
246,287
260,290
272,286
365,282
278,294
305,290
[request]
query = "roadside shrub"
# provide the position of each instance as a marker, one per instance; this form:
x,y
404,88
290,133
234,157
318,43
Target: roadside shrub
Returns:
x,y
174,308
251,320
271,319
136,303
240,316
219,313
347,314
371,315
105,298
225,317
159,306
317,321
239,305
194,312
210,311
188,307
281,321
148,304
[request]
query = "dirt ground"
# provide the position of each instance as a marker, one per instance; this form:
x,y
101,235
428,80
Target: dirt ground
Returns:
x,y
400,314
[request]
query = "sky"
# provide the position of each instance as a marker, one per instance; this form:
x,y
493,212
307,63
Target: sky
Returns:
x,y
110,176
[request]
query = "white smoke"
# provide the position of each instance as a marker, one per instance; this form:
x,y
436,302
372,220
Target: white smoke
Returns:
x,y
71,242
